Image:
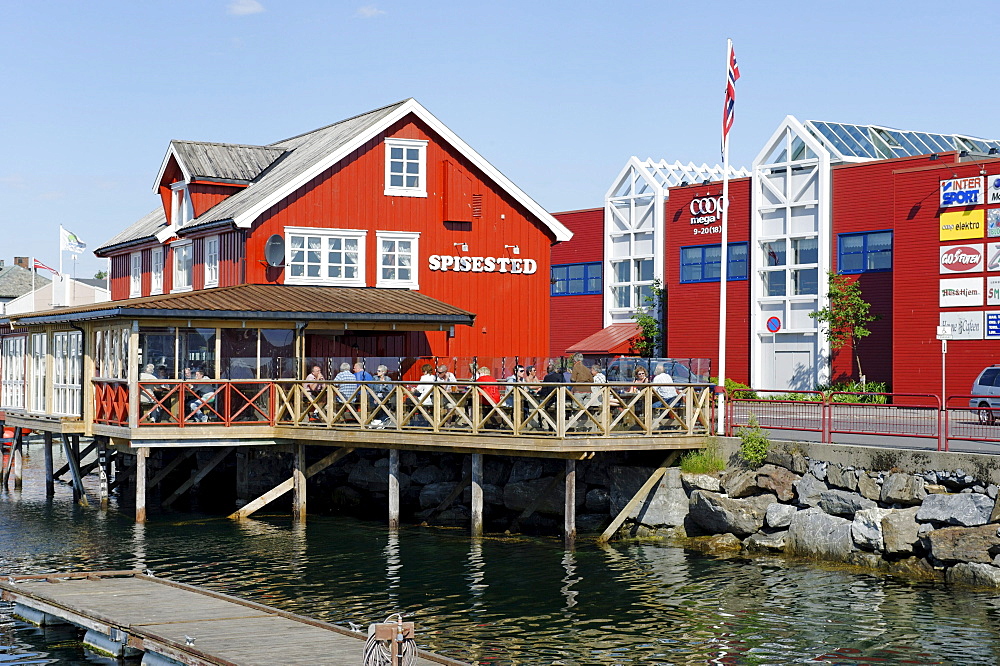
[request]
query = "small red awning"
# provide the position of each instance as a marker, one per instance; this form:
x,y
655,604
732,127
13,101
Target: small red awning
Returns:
x,y
614,339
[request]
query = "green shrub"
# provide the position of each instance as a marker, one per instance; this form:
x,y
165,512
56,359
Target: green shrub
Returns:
x,y
735,389
754,442
703,461
865,392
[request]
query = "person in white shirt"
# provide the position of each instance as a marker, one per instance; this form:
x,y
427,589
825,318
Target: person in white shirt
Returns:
x,y
667,393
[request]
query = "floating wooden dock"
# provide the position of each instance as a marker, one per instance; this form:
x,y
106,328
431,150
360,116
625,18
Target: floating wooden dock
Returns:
x,y
170,622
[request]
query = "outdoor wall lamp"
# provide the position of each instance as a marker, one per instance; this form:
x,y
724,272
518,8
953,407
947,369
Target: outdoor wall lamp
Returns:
x,y
515,249
464,247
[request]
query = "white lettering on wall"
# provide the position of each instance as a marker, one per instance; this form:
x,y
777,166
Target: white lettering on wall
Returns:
x,y
443,262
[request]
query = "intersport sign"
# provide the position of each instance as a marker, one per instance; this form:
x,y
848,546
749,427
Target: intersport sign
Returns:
x,y
962,258
962,192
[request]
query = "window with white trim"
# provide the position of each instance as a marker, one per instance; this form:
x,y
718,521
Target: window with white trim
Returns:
x,y
325,256
181,208
182,266
212,261
156,271
135,275
38,373
406,167
397,259
67,375
12,372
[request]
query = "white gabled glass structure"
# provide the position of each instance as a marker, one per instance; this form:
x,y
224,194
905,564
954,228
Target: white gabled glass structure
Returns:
x,y
791,236
634,229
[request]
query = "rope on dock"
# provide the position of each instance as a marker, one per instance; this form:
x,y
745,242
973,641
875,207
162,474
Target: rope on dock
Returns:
x,y
380,644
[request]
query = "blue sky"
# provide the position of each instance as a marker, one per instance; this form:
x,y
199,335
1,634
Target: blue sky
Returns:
x,y
557,95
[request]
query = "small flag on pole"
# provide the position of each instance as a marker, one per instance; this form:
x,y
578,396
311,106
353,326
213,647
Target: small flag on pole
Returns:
x,y
728,111
39,264
70,242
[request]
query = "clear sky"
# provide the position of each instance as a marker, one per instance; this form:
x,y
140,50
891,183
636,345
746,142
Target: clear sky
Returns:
x,y
557,95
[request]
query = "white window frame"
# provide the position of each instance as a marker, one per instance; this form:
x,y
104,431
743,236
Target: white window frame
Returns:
x,y
181,206
212,261
325,235
156,271
67,372
135,275
401,190
188,250
38,372
12,371
395,236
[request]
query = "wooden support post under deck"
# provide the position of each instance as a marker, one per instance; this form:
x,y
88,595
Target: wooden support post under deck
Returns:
x,y
50,481
569,513
82,454
653,479
102,471
393,489
79,495
299,483
285,486
140,483
477,494
17,458
5,470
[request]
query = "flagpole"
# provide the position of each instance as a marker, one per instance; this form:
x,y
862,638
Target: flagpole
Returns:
x,y
724,274
58,300
34,272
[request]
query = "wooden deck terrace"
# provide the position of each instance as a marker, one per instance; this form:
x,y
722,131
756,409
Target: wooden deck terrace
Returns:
x,y
127,612
462,416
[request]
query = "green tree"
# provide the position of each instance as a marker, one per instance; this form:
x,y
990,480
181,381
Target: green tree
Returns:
x,y
649,318
101,275
846,317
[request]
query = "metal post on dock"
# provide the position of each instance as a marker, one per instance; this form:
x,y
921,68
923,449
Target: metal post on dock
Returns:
x,y
102,471
477,494
141,454
569,527
299,483
50,482
393,489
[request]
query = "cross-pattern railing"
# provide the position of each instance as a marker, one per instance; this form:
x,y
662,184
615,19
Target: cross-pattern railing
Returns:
x,y
496,408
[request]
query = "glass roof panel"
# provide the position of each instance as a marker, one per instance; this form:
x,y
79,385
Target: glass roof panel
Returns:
x,y
864,141
877,141
829,136
853,147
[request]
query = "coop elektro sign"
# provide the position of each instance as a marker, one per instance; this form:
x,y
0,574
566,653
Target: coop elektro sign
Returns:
x,y
963,192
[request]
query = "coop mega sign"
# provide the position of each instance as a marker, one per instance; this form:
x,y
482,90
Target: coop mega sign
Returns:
x,y
962,192
705,213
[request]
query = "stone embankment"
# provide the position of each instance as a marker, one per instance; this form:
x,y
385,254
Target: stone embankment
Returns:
x,y
934,522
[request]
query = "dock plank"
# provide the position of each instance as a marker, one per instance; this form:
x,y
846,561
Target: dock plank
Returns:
x,y
160,615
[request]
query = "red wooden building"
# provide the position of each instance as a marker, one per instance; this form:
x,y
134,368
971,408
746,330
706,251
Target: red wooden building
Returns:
x,y
389,199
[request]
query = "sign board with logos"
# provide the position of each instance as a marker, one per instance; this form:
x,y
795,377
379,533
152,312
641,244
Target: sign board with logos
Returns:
x,y
993,291
993,192
961,224
961,292
993,223
959,192
992,257
992,325
706,215
957,259
964,325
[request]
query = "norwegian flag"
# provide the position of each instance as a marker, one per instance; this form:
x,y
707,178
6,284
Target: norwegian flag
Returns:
x,y
732,76
39,264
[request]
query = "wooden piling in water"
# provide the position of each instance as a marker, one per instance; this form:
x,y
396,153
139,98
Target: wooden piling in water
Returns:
x,y
299,483
394,489
569,513
141,454
477,494
50,481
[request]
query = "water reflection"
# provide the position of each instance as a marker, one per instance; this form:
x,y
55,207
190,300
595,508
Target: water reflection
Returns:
x,y
504,600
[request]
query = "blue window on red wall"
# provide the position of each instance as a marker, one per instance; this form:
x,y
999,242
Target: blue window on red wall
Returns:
x,y
865,253
703,263
575,279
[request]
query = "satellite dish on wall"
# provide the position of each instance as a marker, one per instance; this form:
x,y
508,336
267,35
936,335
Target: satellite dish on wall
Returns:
x,y
274,251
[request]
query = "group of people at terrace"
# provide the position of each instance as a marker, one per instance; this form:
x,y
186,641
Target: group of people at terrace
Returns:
x,y
585,384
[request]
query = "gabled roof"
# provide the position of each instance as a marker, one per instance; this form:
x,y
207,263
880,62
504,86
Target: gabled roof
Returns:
x,y
305,156
272,302
224,162
144,229
16,281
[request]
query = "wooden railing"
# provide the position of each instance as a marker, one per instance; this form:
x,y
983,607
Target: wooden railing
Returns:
x,y
546,410
111,401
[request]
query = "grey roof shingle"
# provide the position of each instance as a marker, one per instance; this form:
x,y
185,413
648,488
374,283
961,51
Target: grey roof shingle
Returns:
x,y
16,281
297,154
225,161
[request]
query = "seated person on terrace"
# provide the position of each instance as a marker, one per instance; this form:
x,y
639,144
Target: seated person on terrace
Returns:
x,y
349,387
204,394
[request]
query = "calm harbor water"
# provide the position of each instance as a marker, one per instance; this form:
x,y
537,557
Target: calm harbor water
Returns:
x,y
505,600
